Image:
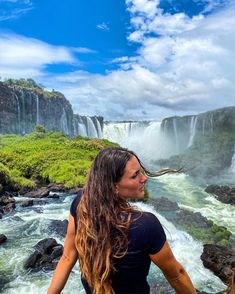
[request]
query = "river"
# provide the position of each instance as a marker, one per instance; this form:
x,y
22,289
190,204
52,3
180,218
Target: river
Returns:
x,y
29,225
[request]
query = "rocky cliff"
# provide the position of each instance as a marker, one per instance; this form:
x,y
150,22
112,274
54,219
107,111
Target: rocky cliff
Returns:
x,y
22,108
186,129
204,144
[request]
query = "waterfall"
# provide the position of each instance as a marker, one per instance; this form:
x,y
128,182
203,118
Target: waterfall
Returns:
x,y
176,135
99,130
211,122
119,132
142,137
64,122
23,112
86,126
91,130
82,130
18,112
203,126
193,125
233,162
37,110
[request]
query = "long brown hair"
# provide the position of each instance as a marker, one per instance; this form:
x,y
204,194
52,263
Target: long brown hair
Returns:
x,y
104,218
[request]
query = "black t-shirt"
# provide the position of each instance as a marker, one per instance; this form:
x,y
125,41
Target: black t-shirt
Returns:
x,y
146,236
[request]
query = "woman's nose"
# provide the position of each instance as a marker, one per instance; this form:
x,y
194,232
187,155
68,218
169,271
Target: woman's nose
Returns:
x,y
144,178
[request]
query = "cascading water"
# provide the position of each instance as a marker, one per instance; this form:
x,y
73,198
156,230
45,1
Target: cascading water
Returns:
x,y
176,135
18,112
87,126
64,122
29,225
232,168
23,112
99,130
193,125
211,122
91,130
138,136
37,109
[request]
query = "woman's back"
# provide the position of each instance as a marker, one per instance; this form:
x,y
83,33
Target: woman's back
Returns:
x,y
145,236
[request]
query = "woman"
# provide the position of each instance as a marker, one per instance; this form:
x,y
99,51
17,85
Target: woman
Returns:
x,y
115,242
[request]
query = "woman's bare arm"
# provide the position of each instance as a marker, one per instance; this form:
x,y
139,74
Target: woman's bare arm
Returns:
x,y
67,261
173,270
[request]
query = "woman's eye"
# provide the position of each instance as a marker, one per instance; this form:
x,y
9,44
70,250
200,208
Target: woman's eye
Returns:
x,y
135,175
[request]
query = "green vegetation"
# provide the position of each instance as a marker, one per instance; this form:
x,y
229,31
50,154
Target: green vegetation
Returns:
x,y
213,235
24,83
30,84
42,158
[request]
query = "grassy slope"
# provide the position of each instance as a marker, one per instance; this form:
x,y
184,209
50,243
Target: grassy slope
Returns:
x,y
47,157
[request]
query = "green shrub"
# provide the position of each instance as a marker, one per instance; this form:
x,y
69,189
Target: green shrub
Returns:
x,y
48,157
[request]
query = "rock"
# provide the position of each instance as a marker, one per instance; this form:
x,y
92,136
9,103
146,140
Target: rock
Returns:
x,y
188,218
164,204
4,200
57,188
31,202
58,227
54,196
46,255
9,207
221,261
27,203
3,238
40,193
74,190
224,194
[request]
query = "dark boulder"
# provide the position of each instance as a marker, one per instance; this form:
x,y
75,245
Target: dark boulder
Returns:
x,y
221,261
164,204
46,255
4,200
59,227
57,188
188,218
224,194
3,238
53,196
9,207
31,202
40,193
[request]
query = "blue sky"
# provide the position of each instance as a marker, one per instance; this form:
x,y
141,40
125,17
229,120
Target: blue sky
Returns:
x,y
124,59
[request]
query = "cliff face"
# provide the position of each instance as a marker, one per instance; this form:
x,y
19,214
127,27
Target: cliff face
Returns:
x,y
21,109
203,143
184,130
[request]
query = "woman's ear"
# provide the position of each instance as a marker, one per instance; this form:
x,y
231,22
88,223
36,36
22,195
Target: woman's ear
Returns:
x,y
115,186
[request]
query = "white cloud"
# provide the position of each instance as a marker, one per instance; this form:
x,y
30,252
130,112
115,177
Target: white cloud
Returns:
x,y
21,56
14,8
103,26
189,69
83,50
183,65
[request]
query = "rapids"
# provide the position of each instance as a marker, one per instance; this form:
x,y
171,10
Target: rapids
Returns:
x,y
29,225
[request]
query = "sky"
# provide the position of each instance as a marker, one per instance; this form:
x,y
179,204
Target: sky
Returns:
x,y
124,59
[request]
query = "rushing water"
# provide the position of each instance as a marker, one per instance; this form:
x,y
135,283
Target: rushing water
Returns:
x,y
29,225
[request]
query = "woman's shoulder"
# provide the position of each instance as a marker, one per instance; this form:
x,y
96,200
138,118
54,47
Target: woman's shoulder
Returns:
x,y
146,219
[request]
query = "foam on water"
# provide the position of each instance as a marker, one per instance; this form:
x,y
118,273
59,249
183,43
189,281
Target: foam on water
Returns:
x,y
188,194
187,251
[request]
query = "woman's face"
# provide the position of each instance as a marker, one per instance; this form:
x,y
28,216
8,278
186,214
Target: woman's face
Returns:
x,y
132,182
